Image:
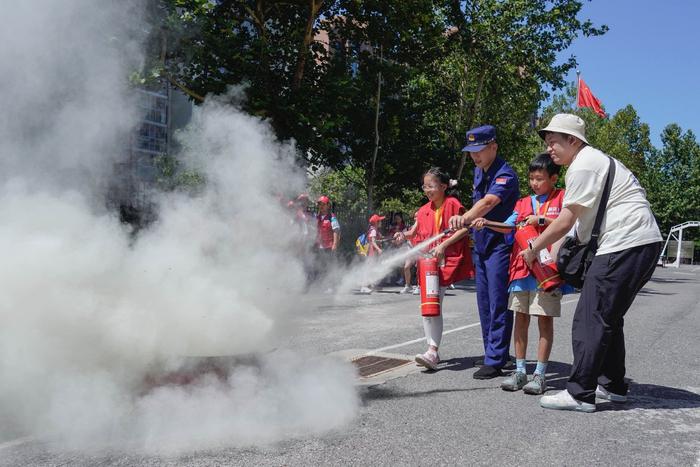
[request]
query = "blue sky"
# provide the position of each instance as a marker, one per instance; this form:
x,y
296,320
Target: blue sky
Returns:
x,y
649,58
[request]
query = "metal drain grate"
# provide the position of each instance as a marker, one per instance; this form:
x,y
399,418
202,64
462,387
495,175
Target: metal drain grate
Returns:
x,y
371,365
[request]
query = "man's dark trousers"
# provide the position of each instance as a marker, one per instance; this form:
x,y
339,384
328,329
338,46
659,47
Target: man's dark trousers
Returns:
x,y
612,283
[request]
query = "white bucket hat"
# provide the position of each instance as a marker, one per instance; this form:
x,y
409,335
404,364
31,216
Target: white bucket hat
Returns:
x,y
568,124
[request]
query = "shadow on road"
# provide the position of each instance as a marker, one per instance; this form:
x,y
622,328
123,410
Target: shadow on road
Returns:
x,y
654,292
640,396
675,280
458,364
655,397
374,393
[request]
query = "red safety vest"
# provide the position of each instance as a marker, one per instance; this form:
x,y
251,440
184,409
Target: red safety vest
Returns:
x,y
458,258
324,239
550,208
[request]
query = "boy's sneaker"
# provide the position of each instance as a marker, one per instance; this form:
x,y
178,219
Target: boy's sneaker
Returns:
x,y
416,290
365,290
602,393
429,360
406,289
565,401
514,382
451,286
536,386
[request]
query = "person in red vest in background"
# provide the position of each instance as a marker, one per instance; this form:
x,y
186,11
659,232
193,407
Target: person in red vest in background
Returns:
x,y
327,235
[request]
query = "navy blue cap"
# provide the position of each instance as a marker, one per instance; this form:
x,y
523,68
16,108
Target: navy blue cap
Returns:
x,y
478,138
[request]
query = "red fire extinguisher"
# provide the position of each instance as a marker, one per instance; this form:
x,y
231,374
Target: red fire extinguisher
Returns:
x,y
544,267
429,280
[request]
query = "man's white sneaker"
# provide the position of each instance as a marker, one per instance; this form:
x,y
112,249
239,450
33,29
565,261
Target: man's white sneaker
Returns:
x,y
602,393
565,401
406,289
365,290
416,290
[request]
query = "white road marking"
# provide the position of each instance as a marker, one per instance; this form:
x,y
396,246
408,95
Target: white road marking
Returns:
x,y
15,442
421,339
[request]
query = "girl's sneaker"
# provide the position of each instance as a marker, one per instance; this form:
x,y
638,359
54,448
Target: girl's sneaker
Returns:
x,y
406,289
429,360
416,290
536,386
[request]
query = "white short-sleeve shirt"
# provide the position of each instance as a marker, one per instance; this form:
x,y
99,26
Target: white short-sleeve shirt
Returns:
x,y
628,220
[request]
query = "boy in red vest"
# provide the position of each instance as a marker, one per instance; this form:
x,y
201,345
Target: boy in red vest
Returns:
x,y
525,298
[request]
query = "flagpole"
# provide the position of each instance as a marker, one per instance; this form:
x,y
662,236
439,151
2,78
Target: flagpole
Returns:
x,y
578,86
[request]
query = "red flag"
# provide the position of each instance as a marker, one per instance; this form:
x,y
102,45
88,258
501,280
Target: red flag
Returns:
x,y
587,99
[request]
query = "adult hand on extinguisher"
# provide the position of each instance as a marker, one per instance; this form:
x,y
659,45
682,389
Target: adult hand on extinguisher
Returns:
x,y
458,222
529,255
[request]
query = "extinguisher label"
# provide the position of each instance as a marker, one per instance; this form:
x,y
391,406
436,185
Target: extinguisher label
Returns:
x,y
545,257
432,284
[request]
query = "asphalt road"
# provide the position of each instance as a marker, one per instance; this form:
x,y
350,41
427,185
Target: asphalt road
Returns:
x,y
448,418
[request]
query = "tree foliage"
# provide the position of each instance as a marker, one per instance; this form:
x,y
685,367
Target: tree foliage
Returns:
x,y
388,88
673,178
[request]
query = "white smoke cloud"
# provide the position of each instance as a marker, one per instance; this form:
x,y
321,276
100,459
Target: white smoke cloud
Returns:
x,y
88,312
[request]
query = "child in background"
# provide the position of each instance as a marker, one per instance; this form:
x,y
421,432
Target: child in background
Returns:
x,y
373,238
397,225
452,252
526,299
374,235
411,261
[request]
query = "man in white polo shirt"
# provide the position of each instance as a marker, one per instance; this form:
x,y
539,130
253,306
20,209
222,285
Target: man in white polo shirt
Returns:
x,y
628,249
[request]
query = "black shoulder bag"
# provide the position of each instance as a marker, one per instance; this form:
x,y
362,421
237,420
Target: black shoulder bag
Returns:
x,y
575,257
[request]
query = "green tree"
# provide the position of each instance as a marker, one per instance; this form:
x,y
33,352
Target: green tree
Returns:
x,y
509,56
673,178
622,135
392,87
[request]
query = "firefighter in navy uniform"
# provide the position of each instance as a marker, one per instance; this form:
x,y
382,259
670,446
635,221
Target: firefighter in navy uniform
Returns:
x,y
495,193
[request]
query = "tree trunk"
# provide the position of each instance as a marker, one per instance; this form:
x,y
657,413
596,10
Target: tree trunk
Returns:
x,y
373,167
315,6
168,76
471,117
